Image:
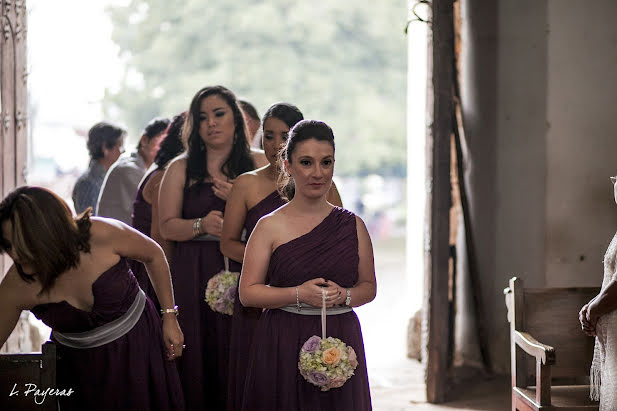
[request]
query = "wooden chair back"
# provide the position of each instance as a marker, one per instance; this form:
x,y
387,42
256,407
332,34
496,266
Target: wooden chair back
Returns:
x,y
551,316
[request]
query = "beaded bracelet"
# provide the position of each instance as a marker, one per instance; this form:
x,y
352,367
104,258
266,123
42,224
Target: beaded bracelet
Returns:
x,y
298,305
197,226
348,299
170,310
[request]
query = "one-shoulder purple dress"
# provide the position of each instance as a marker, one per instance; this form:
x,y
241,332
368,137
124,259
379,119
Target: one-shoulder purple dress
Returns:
x,y
203,365
141,220
273,381
245,319
129,373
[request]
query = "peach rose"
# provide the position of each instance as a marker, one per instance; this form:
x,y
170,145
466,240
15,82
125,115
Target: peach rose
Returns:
x,y
331,356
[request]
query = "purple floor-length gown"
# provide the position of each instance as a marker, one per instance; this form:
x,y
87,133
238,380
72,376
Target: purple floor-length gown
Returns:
x,y
129,373
273,381
142,222
245,319
204,363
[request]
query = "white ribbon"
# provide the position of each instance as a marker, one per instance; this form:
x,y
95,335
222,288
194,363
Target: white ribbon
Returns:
x,y
323,314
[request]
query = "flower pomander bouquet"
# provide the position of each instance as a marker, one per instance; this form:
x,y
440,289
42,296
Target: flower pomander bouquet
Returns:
x,y
326,362
222,289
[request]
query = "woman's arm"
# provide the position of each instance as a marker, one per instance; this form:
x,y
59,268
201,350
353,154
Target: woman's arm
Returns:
x,y
15,296
603,303
171,194
253,291
366,288
151,195
233,223
128,242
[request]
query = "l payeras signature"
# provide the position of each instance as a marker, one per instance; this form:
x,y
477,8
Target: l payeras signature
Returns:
x,y
39,394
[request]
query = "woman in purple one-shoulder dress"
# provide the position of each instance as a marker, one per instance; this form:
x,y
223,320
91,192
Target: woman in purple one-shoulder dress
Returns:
x,y
145,207
192,199
73,274
253,195
306,248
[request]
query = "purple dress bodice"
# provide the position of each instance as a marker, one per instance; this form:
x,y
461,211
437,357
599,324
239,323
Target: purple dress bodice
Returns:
x,y
199,200
142,210
130,372
245,318
265,206
273,381
114,291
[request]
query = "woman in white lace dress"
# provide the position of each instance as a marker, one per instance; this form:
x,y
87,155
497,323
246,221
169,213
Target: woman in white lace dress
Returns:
x,y
599,318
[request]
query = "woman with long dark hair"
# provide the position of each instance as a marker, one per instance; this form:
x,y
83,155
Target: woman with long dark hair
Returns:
x,y
192,198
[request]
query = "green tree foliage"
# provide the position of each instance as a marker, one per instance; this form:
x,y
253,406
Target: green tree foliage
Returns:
x,y
340,61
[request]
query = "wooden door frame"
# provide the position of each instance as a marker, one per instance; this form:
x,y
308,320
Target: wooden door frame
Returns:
x,y
13,99
438,199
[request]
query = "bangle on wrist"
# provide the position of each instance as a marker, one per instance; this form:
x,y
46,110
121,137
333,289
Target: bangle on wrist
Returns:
x,y
170,310
197,227
348,299
298,305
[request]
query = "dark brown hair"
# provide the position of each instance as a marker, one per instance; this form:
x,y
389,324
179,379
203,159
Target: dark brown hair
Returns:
x,y
302,131
45,235
239,161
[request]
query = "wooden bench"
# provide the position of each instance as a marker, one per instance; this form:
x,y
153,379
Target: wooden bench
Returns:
x,y
18,370
550,355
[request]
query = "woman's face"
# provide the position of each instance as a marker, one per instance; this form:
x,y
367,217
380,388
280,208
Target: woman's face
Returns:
x,y
275,134
216,122
7,233
312,167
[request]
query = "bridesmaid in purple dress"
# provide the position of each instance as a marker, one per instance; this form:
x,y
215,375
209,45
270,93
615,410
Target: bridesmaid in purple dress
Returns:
x,y
305,248
254,195
72,273
145,206
192,198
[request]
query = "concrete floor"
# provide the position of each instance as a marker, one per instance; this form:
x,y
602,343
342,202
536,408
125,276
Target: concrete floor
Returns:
x,y
401,387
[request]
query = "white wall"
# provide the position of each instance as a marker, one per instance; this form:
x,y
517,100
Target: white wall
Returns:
x,y
540,106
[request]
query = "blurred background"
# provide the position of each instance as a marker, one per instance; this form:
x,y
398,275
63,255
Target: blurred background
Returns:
x,y
342,62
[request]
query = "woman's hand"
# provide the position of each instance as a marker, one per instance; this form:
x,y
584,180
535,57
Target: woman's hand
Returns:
x,y
588,323
337,294
213,223
311,292
222,189
172,336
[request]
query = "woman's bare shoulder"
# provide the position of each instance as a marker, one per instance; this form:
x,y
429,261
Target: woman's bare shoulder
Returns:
x,y
17,292
275,220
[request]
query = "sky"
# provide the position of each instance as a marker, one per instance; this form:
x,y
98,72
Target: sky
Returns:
x,y
71,60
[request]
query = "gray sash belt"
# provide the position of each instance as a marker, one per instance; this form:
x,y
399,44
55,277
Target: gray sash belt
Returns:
x,y
310,310
108,332
207,237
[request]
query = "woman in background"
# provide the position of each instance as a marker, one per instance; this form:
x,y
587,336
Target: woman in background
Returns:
x,y
599,318
72,273
253,195
192,198
145,207
301,250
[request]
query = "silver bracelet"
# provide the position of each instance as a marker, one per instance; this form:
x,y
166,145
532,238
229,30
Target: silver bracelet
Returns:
x,y
348,299
197,226
298,305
